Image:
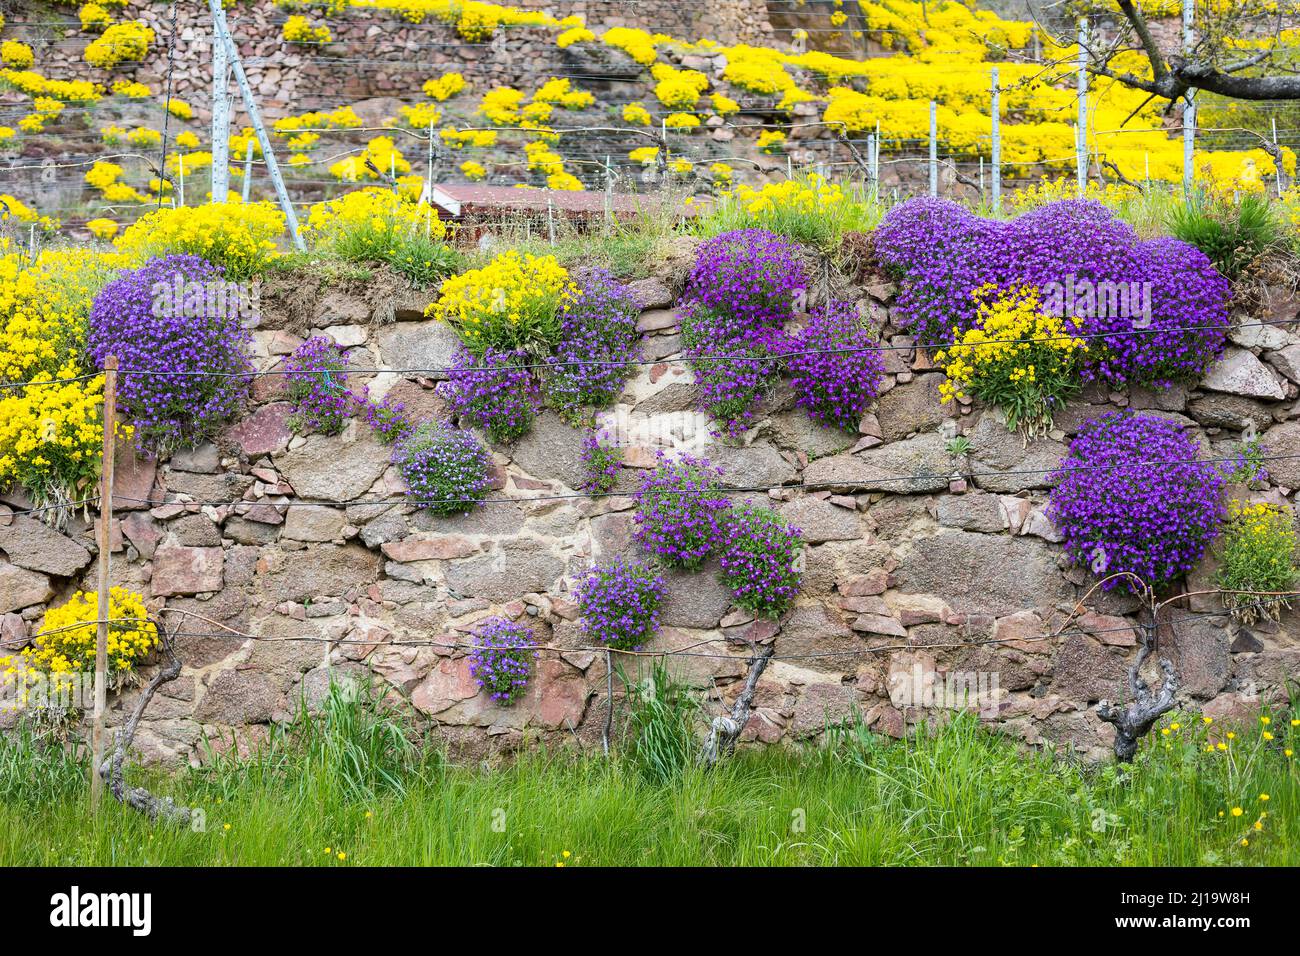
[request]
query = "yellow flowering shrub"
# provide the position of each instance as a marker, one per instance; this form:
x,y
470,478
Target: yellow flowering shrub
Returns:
x,y
472,171
65,644
187,140
566,182
724,105
382,152
457,138
1017,357
421,115
500,105
6,136
239,237
678,89
1257,552
770,140
646,155
515,301
119,43
180,109
102,228
298,29
345,117
444,87
17,55
559,91
94,18
574,35
682,121
131,89
636,114
379,225
638,44
13,208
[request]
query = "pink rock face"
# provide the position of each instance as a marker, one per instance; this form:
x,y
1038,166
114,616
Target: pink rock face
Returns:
x,y
447,685
179,570
416,549
264,432
133,478
561,695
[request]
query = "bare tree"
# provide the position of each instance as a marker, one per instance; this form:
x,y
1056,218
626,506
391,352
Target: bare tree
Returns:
x,y
1239,50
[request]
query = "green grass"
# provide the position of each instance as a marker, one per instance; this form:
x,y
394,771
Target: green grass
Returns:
x,y
352,780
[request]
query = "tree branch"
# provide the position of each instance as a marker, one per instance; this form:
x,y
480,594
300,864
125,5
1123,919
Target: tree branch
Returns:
x,y
725,729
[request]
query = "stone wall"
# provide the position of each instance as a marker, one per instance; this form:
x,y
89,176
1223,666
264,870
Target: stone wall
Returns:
x,y
374,53
906,567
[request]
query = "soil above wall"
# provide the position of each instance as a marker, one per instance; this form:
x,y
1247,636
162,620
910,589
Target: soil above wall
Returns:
x,y
307,544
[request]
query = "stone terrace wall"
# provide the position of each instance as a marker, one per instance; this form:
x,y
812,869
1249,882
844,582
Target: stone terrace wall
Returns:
x,y
900,555
375,53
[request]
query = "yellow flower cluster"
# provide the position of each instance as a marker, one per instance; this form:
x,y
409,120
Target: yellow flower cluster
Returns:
x,y
131,89
646,155
421,115
1257,554
1017,357
94,18
638,44
241,238
724,105
17,55
13,208
770,140
501,104
559,92
119,43
636,114
345,117
513,301
373,208
682,121
574,35
457,138
102,228
678,89
444,87
473,171
380,152
65,644
298,29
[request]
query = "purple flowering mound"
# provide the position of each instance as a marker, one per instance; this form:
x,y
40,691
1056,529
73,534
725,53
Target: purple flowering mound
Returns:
x,y
681,511
139,318
835,374
620,603
1132,496
499,659
1160,303
744,286
760,560
316,378
447,470
599,328
496,392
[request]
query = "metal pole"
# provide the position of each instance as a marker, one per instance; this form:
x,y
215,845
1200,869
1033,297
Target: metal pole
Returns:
x,y
1189,110
220,118
248,168
1280,171
180,179
1081,130
934,148
550,220
871,162
102,612
254,114
996,169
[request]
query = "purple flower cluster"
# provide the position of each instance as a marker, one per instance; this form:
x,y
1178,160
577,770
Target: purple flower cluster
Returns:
x,y
835,386
317,380
1132,496
744,286
386,418
176,341
1160,303
498,662
760,560
599,328
681,511
496,392
620,603
446,470
601,462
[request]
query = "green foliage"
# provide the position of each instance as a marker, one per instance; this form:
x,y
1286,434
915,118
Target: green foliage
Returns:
x,y
1233,234
1257,552
662,728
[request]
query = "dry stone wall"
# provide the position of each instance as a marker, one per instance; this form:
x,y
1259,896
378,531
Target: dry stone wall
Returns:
x,y
909,568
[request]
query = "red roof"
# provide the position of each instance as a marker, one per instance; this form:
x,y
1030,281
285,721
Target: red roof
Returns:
x,y
456,198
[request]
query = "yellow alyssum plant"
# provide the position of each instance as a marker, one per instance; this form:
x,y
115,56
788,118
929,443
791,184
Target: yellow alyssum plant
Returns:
x,y
1257,553
444,87
119,43
298,29
378,213
239,237
65,645
513,302
1017,357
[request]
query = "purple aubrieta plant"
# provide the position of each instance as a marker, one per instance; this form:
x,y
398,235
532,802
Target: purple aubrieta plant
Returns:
x,y
316,378
598,344
744,286
1133,496
447,470
175,404
760,560
1157,309
496,392
835,368
620,603
500,659
601,462
387,418
681,509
